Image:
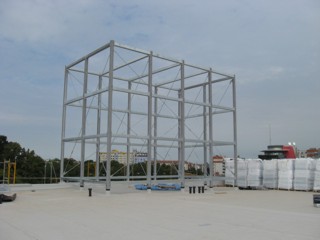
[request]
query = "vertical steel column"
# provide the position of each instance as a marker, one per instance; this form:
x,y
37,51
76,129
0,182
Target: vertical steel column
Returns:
x,y
179,135
149,120
97,168
182,127
63,130
210,129
155,134
235,144
109,131
84,121
205,147
128,131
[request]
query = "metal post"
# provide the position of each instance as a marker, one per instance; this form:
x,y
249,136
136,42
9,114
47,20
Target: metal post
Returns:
x,y
84,121
97,168
129,131
63,130
109,133
155,134
210,129
235,146
182,128
45,171
179,136
149,120
9,169
205,151
14,172
4,171
50,172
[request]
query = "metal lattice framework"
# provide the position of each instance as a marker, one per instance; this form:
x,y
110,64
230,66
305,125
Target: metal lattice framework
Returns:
x,y
119,96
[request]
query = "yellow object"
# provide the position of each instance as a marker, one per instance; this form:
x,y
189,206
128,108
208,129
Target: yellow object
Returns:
x,y
9,170
88,168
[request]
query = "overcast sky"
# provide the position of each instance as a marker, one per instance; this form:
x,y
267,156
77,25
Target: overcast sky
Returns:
x,y
273,48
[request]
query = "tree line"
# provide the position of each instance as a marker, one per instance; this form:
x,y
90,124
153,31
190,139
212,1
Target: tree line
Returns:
x,y
31,168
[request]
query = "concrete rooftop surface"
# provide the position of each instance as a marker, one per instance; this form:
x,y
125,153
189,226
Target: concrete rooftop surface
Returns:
x,y
63,211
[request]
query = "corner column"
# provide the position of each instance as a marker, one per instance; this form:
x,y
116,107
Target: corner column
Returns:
x,y
84,122
235,141
109,130
149,121
182,128
210,129
63,130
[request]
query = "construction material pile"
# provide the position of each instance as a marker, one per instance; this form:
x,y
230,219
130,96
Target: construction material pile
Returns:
x,y
285,173
316,186
249,172
242,171
254,176
160,187
229,172
304,174
290,174
270,173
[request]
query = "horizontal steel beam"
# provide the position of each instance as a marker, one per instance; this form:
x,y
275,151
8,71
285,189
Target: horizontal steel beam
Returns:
x,y
89,55
153,72
206,83
167,98
73,100
130,91
126,64
223,143
123,46
82,71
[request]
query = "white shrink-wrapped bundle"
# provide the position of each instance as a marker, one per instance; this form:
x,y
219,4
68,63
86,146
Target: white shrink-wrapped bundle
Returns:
x,y
242,172
316,183
304,174
229,172
254,178
285,173
304,164
270,173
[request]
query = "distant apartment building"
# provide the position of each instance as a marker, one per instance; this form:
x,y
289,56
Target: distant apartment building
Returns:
x,y
140,157
122,157
313,153
218,165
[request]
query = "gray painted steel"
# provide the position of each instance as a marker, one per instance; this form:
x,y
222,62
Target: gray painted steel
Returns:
x,y
132,73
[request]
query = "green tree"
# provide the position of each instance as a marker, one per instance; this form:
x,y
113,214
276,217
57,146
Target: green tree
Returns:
x,y
199,172
3,143
117,169
89,168
71,168
30,167
139,169
192,171
52,168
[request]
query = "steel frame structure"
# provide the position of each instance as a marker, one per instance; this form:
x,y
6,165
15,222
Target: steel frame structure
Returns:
x,y
103,84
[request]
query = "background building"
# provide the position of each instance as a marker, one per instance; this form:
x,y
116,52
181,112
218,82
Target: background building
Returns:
x,y
218,165
313,153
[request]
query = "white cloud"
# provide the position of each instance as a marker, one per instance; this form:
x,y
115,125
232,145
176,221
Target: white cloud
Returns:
x,y
273,47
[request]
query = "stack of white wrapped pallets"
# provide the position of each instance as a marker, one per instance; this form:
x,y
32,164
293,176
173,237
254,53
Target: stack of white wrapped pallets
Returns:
x,y
254,178
303,174
285,173
229,172
270,173
316,183
242,172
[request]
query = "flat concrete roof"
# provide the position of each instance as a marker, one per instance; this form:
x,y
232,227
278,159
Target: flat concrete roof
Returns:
x,y
63,211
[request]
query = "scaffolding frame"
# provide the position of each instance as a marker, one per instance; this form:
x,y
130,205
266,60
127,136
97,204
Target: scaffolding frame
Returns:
x,y
113,75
